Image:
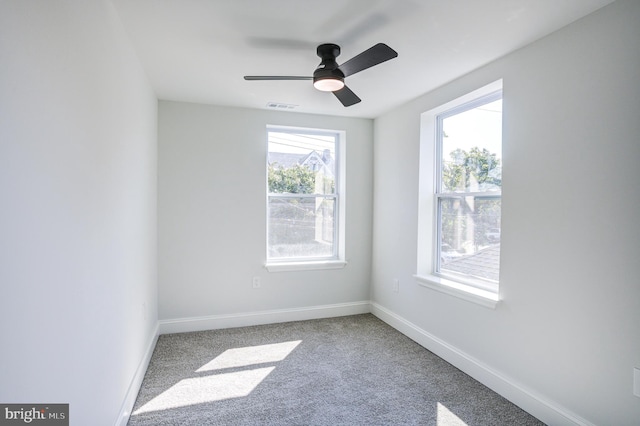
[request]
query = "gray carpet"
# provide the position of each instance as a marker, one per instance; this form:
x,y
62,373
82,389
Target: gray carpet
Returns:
x,y
353,370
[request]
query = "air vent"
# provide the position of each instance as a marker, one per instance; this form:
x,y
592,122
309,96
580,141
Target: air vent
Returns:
x,y
279,105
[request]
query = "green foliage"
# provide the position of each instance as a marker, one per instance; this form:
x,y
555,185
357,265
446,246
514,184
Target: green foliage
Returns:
x,y
466,167
292,180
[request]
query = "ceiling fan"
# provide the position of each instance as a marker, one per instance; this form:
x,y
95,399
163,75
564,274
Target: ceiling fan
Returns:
x,y
329,76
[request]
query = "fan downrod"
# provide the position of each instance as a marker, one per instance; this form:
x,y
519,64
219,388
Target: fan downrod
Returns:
x,y
328,51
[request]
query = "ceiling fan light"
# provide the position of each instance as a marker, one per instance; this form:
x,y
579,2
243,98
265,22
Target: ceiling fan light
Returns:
x,y
328,84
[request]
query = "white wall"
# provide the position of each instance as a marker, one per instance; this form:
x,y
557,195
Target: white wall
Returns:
x,y
78,208
212,211
568,326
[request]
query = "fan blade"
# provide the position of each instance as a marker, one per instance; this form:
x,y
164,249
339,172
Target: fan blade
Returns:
x,y
275,77
346,96
373,56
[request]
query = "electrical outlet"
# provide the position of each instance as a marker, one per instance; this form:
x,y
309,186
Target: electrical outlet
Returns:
x,y
396,285
636,382
256,282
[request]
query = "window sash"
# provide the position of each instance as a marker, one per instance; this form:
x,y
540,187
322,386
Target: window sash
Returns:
x,y
476,281
306,230
290,195
482,194
334,197
439,128
320,204
440,195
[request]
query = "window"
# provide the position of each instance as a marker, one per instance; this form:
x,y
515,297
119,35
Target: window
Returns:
x,y
460,209
304,199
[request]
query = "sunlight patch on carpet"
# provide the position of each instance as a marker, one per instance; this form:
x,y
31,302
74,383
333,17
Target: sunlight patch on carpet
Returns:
x,y
199,390
242,357
221,386
446,417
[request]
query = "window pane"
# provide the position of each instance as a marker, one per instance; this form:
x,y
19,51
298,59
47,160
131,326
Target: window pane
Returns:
x,y
301,227
470,236
301,163
472,150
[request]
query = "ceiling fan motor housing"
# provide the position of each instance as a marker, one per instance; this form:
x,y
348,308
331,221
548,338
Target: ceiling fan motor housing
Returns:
x,y
328,68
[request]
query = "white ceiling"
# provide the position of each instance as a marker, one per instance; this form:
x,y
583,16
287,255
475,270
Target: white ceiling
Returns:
x,y
199,50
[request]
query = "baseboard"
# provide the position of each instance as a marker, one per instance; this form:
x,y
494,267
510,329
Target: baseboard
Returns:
x,y
136,382
213,322
530,401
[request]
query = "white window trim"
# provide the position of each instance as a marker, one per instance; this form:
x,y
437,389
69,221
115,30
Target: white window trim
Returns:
x,y
474,294
338,261
427,231
311,265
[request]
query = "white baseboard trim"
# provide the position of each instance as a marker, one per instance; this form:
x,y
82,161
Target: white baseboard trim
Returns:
x,y
136,382
214,322
530,401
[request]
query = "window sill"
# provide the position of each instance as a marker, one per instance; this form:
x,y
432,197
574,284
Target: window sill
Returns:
x,y
462,291
305,266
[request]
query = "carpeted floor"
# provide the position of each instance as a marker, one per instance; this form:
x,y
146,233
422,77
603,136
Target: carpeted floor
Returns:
x,y
353,370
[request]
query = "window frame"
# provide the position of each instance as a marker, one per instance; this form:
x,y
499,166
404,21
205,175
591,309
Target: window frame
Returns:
x,y
337,259
428,274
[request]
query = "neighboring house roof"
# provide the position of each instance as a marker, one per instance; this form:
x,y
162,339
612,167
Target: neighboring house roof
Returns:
x,y
484,264
284,159
313,160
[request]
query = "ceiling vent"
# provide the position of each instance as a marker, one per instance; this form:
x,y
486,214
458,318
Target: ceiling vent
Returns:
x,y
279,105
